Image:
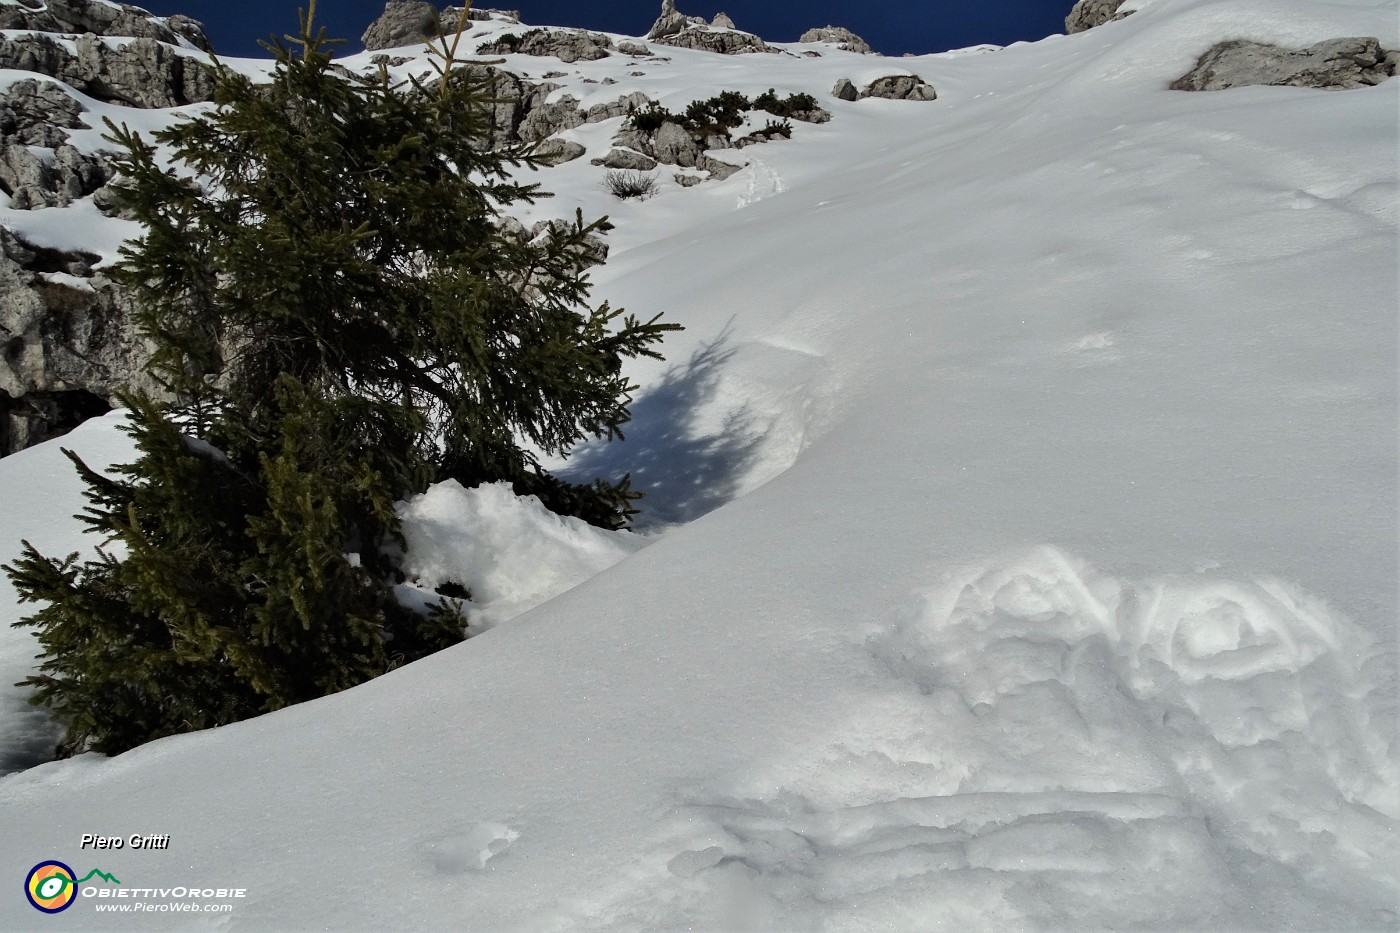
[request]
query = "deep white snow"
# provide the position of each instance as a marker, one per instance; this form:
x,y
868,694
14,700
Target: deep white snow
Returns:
x,y
1021,547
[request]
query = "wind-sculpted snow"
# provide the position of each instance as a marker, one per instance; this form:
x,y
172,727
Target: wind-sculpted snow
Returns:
x,y
1060,742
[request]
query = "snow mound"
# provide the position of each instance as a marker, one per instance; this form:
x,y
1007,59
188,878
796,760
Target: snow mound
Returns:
x,y
510,552
1047,741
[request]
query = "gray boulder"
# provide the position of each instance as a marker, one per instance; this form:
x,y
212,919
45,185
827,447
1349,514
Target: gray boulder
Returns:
x,y
1336,64
839,36
546,119
718,170
845,90
627,160
1086,14
75,17
633,48
722,21
674,146
559,151
900,87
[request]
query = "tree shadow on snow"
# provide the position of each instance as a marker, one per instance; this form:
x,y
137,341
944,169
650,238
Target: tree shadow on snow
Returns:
x,y
684,469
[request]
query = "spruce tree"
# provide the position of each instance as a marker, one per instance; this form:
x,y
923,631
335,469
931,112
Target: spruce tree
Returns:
x,y
341,317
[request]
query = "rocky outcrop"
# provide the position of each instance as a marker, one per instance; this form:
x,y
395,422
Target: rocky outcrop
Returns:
x,y
723,41
617,108
1086,14
403,22
633,48
899,87
839,36
546,119
68,342
414,22
671,22
1336,64
101,18
32,181
36,113
675,29
573,45
140,73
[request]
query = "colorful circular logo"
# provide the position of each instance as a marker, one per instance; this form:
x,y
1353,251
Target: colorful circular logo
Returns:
x,y
50,887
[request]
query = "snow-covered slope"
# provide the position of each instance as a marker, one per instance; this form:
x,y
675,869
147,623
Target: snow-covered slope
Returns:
x,y
1023,546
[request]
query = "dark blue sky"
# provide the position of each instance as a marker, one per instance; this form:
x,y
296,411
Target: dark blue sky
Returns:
x,y
891,26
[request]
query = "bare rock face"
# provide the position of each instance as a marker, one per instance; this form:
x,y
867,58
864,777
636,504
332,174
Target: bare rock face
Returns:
x,y
899,87
845,90
35,113
103,19
839,36
722,21
68,343
1086,14
1336,64
141,73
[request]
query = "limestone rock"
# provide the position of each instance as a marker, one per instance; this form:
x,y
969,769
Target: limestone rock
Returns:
x,y
68,341
633,48
1335,64
722,21
840,36
566,45
549,118
35,113
403,22
101,18
674,146
722,41
900,87
845,90
626,159
671,22
718,169
559,151
688,181
1086,14
414,22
